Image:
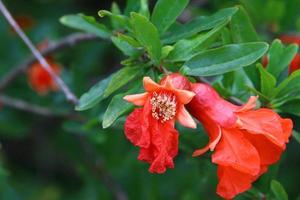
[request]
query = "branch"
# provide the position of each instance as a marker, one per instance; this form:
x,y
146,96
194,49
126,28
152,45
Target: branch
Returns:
x,y
24,106
64,43
69,95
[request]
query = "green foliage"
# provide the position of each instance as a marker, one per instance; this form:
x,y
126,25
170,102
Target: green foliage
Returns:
x,y
86,23
278,191
224,59
94,95
280,57
147,35
185,49
165,13
199,24
75,156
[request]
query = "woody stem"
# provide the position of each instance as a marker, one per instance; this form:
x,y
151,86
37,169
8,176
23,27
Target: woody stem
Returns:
x,y
69,95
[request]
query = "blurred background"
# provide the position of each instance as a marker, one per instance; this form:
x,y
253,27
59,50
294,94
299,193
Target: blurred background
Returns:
x,y
45,157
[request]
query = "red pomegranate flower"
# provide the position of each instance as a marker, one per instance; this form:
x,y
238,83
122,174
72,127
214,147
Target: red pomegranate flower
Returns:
x,y
295,64
245,141
290,39
40,80
151,127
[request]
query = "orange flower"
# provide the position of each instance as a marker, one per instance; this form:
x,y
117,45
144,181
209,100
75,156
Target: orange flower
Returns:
x,y
152,127
245,141
40,80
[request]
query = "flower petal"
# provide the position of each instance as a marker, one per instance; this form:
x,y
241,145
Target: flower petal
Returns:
x,y
214,133
232,182
165,142
133,129
185,118
236,151
266,122
137,99
251,104
150,85
184,96
269,152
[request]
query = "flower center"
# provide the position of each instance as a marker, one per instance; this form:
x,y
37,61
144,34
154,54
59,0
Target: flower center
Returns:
x,y
163,106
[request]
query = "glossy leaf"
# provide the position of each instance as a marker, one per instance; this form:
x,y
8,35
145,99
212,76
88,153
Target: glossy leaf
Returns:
x,y
224,59
116,108
187,48
120,78
125,47
289,85
120,20
87,24
241,27
116,11
199,24
93,96
278,190
268,81
166,12
147,35
280,57
144,8
296,135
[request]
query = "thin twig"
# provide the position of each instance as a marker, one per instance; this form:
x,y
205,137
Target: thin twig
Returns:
x,y
232,99
64,43
69,95
24,106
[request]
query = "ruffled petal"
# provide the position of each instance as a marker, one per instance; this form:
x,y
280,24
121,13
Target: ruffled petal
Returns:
x,y
150,85
137,99
184,96
165,143
214,133
184,118
232,182
269,152
236,151
268,123
251,104
133,129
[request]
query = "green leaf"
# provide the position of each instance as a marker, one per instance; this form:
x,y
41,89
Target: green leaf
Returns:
x,y
144,9
116,11
125,47
93,96
120,78
224,59
243,31
187,48
122,20
116,108
280,57
296,135
166,12
289,85
292,107
268,81
165,51
87,24
199,24
241,27
129,40
278,191
147,35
